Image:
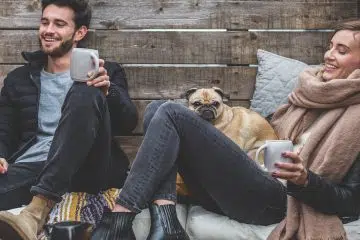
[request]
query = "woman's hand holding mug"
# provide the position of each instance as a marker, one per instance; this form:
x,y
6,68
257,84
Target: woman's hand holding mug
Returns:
x,y
293,171
281,162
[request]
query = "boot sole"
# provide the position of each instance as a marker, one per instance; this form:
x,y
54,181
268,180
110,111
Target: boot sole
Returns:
x,y
7,232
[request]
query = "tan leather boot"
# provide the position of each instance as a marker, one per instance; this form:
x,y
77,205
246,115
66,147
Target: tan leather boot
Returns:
x,y
28,223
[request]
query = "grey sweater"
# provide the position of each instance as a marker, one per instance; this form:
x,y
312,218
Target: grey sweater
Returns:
x,y
54,88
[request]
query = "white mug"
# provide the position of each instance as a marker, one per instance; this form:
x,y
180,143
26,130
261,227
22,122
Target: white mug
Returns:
x,y
272,152
83,61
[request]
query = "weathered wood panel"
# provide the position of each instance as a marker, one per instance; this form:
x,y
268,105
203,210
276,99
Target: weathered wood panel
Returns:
x,y
229,14
130,145
170,82
181,47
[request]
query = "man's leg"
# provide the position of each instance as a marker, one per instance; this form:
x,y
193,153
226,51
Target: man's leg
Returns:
x,y
79,157
15,184
81,141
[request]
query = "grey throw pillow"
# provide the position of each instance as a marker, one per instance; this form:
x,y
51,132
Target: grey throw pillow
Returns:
x,y
275,79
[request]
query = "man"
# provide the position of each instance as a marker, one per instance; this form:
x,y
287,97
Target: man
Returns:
x,y
55,134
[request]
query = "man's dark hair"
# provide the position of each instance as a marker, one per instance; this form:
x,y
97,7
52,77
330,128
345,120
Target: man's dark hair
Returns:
x,y
81,8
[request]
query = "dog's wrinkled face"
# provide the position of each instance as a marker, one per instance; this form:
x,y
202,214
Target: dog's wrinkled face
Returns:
x,y
207,102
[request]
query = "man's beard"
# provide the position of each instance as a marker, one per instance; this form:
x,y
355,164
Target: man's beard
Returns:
x,y
60,51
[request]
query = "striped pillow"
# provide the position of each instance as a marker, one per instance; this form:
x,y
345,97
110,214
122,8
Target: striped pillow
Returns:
x,y
84,207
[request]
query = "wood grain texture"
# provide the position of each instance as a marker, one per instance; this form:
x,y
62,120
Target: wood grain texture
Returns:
x,y
171,82
129,144
228,14
181,47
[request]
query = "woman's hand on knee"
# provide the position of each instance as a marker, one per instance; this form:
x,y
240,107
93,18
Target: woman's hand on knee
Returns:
x,y
294,172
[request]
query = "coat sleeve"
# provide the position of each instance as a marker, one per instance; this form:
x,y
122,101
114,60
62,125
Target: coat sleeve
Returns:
x,y
342,199
8,120
122,110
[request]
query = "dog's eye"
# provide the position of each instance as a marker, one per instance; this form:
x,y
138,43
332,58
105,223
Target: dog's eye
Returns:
x,y
197,103
215,104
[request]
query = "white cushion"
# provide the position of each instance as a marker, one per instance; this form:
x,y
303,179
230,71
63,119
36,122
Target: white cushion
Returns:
x,y
205,225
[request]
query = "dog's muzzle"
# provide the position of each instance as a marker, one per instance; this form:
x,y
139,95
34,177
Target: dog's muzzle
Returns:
x,y
207,112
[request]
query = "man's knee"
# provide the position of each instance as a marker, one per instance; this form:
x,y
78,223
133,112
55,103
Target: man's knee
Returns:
x,y
81,95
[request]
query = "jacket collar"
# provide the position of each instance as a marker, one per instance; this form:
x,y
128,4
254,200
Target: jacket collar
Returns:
x,y
36,60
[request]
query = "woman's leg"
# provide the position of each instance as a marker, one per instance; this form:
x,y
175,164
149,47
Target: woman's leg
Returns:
x,y
169,186
208,160
153,173
219,170
164,222
223,179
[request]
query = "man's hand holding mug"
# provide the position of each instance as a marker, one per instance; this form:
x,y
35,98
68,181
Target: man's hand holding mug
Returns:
x,y
86,66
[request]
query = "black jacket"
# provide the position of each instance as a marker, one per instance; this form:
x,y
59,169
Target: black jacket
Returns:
x,y
19,105
342,199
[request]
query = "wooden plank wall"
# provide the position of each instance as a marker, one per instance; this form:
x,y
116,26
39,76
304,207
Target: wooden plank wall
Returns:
x,y
168,46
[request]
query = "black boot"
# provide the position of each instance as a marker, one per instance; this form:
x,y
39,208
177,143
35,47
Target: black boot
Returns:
x,y
115,226
164,224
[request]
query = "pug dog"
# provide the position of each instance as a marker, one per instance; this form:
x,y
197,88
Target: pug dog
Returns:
x,y
245,127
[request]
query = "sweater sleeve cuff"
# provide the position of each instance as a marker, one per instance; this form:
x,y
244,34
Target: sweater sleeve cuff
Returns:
x,y
113,91
117,93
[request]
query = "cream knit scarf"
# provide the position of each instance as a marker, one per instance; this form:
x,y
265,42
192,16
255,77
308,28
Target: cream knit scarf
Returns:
x,y
329,151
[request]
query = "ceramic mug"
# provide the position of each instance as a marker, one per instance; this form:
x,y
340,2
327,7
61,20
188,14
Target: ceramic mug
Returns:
x,y
272,152
83,61
68,230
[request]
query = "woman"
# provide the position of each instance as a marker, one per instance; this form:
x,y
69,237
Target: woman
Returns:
x,y
321,118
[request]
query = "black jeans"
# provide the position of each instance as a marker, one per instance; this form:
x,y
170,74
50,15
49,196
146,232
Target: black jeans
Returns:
x,y
16,183
220,176
79,158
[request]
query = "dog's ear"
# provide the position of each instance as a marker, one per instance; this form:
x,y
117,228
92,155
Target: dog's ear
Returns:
x,y
188,93
219,91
